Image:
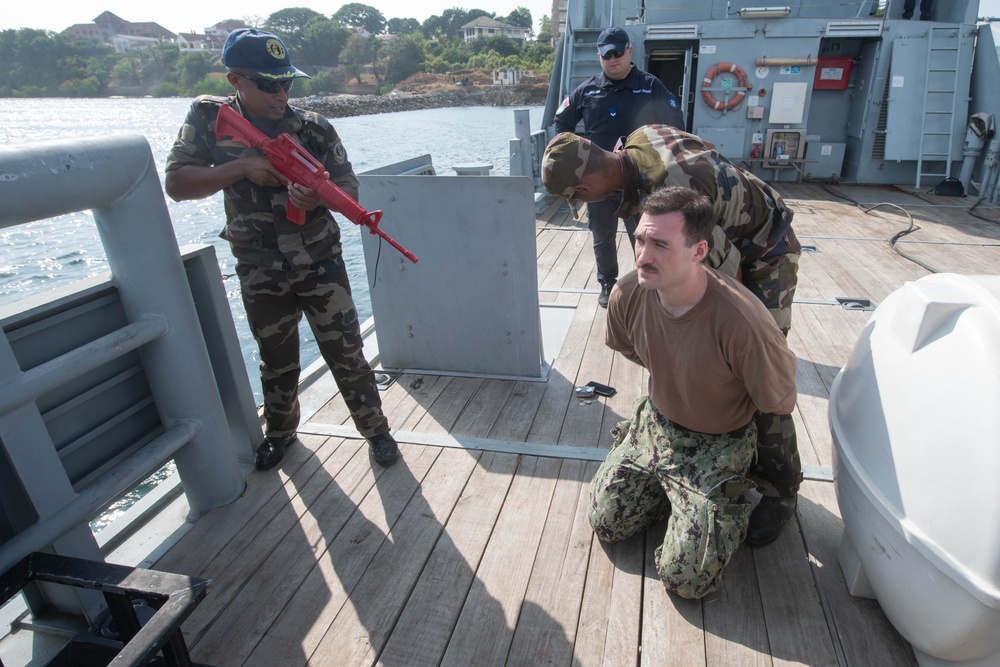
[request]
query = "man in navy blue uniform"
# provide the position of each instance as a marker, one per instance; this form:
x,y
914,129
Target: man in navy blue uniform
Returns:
x,y
612,104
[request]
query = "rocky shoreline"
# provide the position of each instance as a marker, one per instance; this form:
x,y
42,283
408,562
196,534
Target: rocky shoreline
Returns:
x,y
342,106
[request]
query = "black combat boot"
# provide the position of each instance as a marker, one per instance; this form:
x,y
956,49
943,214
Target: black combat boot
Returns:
x,y
271,450
384,449
602,300
768,518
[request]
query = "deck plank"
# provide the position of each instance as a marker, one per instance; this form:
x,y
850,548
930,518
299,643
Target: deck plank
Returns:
x,y
735,633
584,417
340,537
673,631
546,629
486,625
518,413
237,570
362,628
263,499
426,623
549,419
797,632
621,645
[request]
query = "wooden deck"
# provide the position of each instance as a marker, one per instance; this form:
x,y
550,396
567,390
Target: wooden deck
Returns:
x,y
475,548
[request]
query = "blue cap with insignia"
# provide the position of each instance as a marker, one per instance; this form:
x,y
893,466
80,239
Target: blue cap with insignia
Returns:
x,y
261,52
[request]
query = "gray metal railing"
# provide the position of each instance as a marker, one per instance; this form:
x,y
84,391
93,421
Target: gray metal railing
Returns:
x,y
114,177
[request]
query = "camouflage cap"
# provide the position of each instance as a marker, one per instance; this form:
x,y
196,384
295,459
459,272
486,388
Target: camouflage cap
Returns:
x,y
564,163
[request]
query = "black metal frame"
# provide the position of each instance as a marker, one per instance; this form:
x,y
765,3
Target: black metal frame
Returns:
x,y
174,596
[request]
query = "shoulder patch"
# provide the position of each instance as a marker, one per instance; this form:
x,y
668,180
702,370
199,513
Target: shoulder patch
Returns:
x,y
340,153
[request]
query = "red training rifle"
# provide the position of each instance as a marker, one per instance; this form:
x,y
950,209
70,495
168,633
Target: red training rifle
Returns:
x,y
301,168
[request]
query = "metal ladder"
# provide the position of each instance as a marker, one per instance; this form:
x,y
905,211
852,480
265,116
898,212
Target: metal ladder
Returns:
x,y
937,136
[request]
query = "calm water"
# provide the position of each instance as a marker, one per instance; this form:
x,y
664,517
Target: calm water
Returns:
x,y
42,255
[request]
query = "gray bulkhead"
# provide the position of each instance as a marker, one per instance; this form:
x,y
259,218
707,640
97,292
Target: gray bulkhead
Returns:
x,y
897,114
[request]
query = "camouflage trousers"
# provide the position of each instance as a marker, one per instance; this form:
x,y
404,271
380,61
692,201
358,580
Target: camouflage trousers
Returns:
x,y
275,302
659,469
778,470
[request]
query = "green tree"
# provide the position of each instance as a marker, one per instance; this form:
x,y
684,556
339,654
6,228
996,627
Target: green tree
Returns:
x,y
449,24
405,57
213,84
86,87
537,52
486,60
324,82
356,54
520,17
289,25
126,71
545,28
375,56
167,89
152,67
169,55
192,67
358,15
455,56
402,26
502,44
322,42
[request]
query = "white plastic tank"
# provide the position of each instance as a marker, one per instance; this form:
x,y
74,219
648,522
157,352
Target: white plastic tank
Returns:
x,y
915,417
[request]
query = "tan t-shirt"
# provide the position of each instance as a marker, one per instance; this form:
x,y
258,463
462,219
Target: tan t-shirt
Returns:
x,y
711,368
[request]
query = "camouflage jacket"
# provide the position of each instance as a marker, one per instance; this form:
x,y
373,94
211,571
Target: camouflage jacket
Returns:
x,y
256,226
753,220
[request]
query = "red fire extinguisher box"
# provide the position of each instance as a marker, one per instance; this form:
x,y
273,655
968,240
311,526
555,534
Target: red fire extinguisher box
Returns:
x,y
832,72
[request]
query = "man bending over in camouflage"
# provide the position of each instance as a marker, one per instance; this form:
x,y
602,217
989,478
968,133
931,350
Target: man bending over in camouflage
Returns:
x,y
714,356
285,270
752,240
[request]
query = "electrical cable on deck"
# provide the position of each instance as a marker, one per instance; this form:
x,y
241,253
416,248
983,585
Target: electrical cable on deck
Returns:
x,y
976,215
892,241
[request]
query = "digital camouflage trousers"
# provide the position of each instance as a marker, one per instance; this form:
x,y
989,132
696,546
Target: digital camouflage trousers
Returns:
x,y
658,469
778,470
275,302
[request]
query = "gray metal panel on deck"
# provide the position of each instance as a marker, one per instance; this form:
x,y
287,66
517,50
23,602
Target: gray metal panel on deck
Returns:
x,y
428,315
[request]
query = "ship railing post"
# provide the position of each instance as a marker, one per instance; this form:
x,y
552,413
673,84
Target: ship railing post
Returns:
x,y
115,177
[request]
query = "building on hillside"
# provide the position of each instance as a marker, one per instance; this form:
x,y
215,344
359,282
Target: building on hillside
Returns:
x,y
191,41
507,77
558,18
126,43
108,26
484,26
223,28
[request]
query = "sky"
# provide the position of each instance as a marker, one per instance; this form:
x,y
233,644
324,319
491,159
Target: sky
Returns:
x,y
196,15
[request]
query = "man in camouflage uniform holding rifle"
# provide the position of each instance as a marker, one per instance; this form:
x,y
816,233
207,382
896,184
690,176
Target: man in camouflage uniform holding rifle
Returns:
x,y
753,241
286,270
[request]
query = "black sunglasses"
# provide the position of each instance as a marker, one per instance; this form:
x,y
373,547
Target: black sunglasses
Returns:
x,y
612,54
265,86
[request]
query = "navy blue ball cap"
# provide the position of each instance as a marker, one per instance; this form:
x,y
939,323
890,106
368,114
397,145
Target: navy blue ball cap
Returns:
x,y
261,52
612,39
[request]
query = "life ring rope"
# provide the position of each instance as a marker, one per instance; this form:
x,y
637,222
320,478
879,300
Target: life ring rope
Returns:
x,y
714,71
